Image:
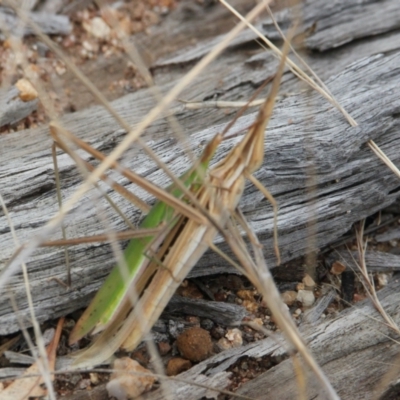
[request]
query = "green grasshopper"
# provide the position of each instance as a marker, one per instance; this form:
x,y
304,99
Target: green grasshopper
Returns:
x,y
110,297
123,322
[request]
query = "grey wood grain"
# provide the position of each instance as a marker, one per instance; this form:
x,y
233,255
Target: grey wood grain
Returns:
x,y
311,155
225,314
390,234
376,261
49,23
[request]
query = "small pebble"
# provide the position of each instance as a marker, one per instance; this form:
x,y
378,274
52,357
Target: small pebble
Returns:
x,y
125,383
177,365
26,91
206,324
217,332
42,49
234,337
245,294
97,27
289,297
224,344
195,344
306,297
164,348
94,378
308,281
383,279
297,313
74,379
250,306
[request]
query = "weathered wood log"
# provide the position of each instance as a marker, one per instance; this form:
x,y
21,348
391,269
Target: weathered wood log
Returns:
x,y
317,167
48,23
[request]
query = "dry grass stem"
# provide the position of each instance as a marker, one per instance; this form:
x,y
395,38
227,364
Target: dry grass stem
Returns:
x,y
367,279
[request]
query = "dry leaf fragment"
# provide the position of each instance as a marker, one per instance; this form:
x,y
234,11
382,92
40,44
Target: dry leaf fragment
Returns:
x,y
26,91
129,380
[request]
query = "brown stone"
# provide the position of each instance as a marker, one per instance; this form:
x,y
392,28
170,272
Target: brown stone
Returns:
x,y
164,348
195,344
177,365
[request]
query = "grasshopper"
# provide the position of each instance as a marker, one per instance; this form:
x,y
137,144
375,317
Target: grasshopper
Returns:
x,y
111,295
219,193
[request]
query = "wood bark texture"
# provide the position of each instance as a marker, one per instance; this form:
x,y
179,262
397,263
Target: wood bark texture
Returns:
x,y
49,23
319,169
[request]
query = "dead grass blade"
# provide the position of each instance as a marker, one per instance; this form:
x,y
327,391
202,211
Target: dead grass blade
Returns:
x,y
367,279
